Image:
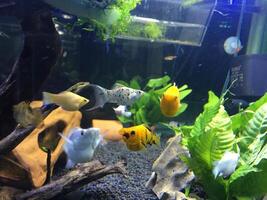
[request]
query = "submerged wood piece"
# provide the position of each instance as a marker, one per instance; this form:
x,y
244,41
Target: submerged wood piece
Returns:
x,y
8,193
79,176
14,138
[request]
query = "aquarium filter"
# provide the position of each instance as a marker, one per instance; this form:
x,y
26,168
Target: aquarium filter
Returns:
x,y
248,72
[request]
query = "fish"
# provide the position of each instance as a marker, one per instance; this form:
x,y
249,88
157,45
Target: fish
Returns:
x,y
170,101
120,95
80,145
138,137
122,111
226,165
170,58
68,101
25,115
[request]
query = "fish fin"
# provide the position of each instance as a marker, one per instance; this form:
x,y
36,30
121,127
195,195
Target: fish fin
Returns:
x,y
117,85
102,141
101,97
65,138
69,164
47,98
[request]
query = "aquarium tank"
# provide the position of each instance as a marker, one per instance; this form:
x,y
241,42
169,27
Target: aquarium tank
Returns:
x,y
133,99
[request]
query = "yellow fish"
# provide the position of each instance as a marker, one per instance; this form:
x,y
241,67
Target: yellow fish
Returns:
x,y
25,115
170,101
138,137
69,101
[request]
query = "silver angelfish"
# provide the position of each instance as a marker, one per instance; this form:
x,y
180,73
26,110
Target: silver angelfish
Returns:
x,y
80,145
120,95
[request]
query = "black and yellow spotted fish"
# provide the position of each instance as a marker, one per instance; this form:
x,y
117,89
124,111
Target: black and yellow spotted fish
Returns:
x,y
138,137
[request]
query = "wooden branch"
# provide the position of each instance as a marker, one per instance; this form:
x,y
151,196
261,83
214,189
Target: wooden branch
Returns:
x,y
74,179
13,139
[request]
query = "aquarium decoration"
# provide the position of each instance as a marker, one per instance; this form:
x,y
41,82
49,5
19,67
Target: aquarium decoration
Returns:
x,y
146,110
216,135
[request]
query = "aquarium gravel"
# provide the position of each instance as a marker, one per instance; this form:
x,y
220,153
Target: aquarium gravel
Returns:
x,y
115,186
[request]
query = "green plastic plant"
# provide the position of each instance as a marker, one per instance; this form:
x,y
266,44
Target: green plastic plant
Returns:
x,y
215,133
147,108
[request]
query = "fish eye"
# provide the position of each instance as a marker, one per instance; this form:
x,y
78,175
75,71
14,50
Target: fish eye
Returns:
x,y
132,132
85,100
82,133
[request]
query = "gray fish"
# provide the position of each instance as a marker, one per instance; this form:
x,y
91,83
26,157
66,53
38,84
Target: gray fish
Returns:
x,y
81,144
120,95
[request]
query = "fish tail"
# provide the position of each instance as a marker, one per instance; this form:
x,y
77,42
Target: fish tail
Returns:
x,y
48,98
101,97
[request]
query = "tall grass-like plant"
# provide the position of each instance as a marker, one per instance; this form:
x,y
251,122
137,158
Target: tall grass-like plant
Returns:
x,y
215,133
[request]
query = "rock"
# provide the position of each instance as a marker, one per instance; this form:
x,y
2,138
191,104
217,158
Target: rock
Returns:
x,y
109,129
170,174
26,166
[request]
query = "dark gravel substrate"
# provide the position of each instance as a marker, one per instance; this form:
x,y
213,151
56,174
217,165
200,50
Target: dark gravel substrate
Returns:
x,y
115,186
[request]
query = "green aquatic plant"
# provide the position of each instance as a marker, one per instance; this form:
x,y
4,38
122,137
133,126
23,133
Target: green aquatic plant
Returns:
x,y
188,3
118,14
215,133
153,31
147,108
106,22
150,30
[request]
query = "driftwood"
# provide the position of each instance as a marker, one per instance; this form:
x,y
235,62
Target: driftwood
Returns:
x,y
13,139
74,179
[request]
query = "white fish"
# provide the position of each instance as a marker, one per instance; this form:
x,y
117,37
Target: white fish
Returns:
x,y
226,166
122,111
120,95
81,144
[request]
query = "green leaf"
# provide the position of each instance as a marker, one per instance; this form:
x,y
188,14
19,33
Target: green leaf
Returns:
x,y
252,184
241,172
254,134
262,155
182,108
160,91
210,110
184,93
216,140
240,119
184,87
134,83
158,82
124,119
122,83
